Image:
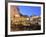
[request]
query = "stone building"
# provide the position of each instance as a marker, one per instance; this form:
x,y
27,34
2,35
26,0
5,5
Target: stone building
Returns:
x,y
17,17
14,13
35,20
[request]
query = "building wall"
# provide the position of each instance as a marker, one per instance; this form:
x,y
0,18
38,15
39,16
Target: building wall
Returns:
x,y
14,11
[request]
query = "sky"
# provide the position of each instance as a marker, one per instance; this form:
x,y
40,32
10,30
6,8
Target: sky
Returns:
x,y
29,10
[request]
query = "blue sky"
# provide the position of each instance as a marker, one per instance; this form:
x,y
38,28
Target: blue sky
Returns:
x,y
29,10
